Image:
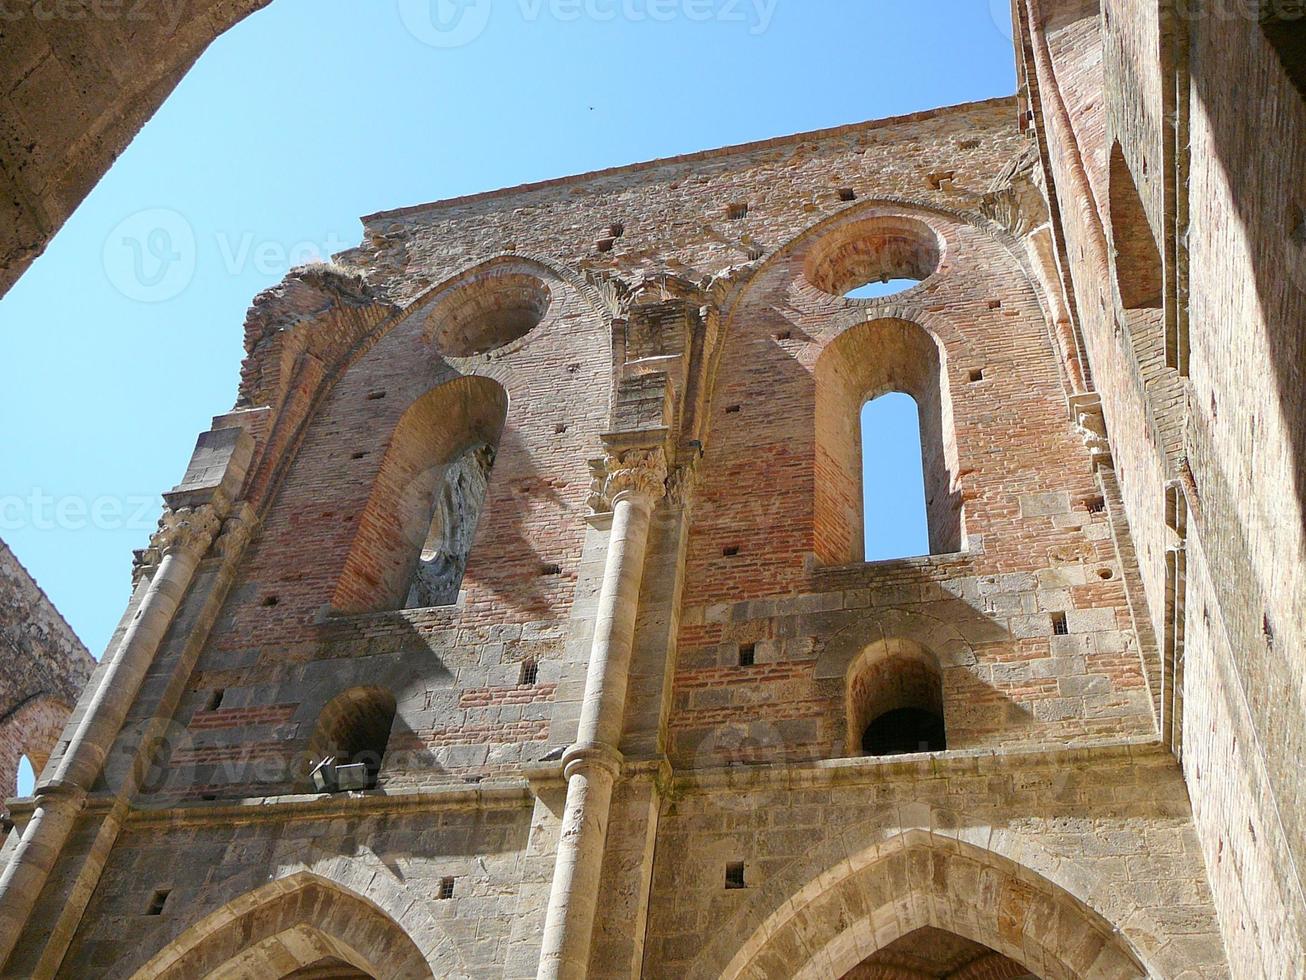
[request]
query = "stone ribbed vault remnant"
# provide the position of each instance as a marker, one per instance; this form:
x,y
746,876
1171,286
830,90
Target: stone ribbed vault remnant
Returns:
x,y
563,541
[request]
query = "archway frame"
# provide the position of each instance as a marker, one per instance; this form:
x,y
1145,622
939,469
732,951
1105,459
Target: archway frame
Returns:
x,y
915,866
288,923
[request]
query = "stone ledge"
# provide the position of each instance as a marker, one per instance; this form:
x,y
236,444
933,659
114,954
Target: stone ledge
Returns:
x,y
852,771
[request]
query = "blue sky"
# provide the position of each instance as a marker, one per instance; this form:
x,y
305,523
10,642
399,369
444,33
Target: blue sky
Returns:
x,y
313,112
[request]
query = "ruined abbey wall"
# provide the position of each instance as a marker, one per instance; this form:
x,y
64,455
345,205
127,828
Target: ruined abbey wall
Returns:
x,y
1210,133
43,668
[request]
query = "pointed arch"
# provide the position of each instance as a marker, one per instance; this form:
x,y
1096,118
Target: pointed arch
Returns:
x,y
287,924
820,920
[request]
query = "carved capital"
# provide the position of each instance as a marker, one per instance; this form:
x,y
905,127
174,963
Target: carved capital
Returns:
x,y
639,472
184,529
237,531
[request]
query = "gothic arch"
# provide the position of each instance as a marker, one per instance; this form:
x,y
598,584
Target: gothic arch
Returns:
x,y
823,915
286,924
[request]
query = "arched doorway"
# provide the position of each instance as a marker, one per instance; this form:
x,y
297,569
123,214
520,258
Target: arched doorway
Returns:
x,y
836,919
303,926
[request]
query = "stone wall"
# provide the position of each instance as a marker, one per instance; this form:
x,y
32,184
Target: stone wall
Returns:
x,y
1205,409
680,319
43,668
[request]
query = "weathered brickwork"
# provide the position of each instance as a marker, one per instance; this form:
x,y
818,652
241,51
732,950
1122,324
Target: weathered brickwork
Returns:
x,y
514,621
658,375
42,672
1189,111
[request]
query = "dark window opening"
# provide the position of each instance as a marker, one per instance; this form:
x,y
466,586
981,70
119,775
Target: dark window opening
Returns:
x,y
157,901
546,570
730,551
736,212
904,730
605,244
976,375
747,654
446,889
215,699
616,229
893,479
1059,625
1284,24
1095,505
733,409
847,194
530,673
735,875
373,396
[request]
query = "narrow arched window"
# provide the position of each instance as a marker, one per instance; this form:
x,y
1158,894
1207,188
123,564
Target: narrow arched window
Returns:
x,y
893,479
895,701
26,777
415,536
349,742
886,457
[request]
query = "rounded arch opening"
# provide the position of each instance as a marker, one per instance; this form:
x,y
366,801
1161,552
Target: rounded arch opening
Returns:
x,y
867,360
353,729
857,260
491,310
894,700
416,534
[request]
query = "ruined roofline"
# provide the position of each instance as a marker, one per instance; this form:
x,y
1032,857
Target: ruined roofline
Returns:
x,y
693,157
49,603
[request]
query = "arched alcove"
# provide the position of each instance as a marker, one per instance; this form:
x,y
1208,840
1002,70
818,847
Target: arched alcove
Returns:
x,y
354,728
1139,272
417,531
868,360
494,307
894,700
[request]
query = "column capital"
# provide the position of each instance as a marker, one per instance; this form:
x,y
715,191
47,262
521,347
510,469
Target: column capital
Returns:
x,y
629,472
184,529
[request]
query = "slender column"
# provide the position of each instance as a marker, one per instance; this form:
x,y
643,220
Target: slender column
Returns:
x,y
635,482
183,537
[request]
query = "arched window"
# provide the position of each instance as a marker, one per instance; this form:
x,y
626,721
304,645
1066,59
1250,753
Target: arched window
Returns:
x,y
416,533
353,729
893,479
894,358
26,777
895,701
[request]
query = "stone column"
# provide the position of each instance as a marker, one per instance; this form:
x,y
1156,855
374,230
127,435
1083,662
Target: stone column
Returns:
x,y
635,482
183,537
